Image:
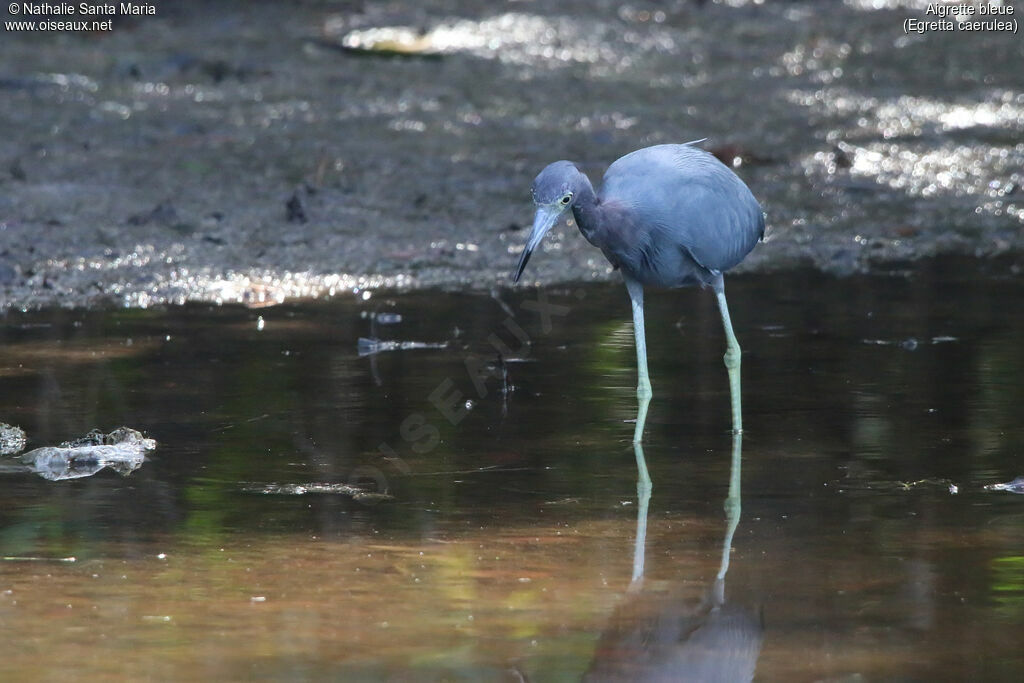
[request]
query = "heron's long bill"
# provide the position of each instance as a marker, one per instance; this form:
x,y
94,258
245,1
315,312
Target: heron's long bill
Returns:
x,y
543,221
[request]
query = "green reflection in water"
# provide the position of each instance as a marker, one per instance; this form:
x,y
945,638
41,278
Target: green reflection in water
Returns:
x,y
1008,585
525,517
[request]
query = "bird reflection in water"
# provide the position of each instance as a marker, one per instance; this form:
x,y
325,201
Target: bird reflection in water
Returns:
x,y
659,636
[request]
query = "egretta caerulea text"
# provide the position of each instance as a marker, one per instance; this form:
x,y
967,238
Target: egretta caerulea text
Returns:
x,y
667,216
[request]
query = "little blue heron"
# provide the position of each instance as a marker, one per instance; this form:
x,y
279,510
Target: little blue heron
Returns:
x,y
668,216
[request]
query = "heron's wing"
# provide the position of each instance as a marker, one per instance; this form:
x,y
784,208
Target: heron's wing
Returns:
x,y
681,195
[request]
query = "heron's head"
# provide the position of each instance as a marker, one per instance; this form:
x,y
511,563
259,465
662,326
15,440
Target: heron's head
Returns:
x,y
554,192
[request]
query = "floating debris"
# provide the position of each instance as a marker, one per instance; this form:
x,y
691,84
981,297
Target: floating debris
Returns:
x,y
1015,486
944,483
372,346
382,318
124,437
12,439
354,492
909,344
20,558
897,485
122,450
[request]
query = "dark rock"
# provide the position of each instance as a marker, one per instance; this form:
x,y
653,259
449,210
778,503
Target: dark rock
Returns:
x,y
295,213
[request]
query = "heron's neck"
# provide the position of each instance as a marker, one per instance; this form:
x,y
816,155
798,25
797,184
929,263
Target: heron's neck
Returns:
x,y
586,209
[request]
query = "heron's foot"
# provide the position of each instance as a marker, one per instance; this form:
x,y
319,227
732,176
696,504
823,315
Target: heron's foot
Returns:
x,y
732,359
644,392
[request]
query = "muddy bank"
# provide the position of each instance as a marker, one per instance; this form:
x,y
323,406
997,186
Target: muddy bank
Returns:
x,y
245,151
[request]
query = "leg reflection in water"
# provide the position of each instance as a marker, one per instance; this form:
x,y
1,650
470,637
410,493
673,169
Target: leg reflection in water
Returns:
x,y
659,636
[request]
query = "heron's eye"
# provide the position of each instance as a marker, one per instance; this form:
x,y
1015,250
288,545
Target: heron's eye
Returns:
x,y
566,199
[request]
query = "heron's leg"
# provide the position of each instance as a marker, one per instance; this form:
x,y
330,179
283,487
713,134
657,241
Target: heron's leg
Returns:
x,y
643,387
732,358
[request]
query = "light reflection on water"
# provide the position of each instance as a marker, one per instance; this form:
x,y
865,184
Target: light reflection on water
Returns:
x,y
507,546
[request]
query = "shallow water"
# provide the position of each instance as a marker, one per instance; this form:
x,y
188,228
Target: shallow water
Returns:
x,y
505,543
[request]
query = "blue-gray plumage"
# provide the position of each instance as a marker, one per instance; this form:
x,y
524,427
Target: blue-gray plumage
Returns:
x,y
668,216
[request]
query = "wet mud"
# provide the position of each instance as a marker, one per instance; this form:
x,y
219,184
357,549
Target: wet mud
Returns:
x,y
258,152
